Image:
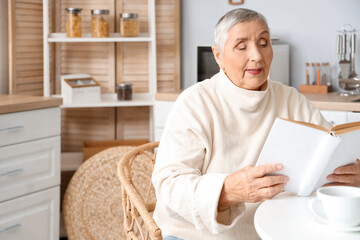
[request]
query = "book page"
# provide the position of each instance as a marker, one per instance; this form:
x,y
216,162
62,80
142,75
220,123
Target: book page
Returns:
x,y
321,158
297,147
346,153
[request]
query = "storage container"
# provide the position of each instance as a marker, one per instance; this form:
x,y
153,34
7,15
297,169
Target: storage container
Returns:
x,y
124,91
73,22
100,22
80,88
129,25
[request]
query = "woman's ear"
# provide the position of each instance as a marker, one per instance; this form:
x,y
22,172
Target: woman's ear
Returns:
x,y
217,56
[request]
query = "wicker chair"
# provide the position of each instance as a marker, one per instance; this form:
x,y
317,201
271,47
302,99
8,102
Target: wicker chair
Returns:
x,y
138,195
92,202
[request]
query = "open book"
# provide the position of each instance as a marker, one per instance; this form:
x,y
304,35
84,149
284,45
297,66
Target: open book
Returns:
x,y
309,152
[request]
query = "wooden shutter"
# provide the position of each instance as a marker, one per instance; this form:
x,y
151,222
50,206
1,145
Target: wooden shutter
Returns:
x,y
25,47
83,124
132,59
168,45
96,59
132,123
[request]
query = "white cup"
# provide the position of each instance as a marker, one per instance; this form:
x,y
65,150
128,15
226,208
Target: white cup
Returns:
x,y
337,205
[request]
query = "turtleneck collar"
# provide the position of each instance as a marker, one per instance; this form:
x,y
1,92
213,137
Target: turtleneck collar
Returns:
x,y
245,99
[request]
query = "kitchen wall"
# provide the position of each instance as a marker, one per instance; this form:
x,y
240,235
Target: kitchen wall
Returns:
x,y
308,26
4,62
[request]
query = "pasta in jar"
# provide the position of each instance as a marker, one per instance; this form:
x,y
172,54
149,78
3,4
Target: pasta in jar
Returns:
x,y
100,22
129,25
73,22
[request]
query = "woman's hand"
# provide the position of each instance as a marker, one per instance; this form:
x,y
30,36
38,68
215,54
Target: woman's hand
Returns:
x,y
348,175
251,185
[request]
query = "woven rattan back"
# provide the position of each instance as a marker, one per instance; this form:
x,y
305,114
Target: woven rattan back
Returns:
x,y
138,195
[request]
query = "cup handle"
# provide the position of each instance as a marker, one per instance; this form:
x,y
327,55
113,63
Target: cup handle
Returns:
x,y
316,207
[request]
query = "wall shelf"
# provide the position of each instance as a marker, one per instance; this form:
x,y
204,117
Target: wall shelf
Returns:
x,y
147,39
110,100
114,37
60,37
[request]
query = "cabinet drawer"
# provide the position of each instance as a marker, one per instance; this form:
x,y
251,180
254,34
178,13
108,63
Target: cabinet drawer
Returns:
x,y
28,125
28,167
34,216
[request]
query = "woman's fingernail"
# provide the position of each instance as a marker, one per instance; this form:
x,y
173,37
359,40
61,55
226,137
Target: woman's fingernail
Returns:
x,y
279,166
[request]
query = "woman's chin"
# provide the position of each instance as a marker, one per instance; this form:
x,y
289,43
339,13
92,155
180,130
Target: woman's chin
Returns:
x,y
255,86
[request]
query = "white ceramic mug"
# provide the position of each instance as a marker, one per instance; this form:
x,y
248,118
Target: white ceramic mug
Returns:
x,y
337,205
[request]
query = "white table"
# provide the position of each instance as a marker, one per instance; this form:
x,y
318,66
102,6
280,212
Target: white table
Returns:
x,y
288,216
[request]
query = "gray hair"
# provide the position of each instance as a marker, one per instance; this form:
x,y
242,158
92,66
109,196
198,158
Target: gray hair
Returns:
x,y
232,18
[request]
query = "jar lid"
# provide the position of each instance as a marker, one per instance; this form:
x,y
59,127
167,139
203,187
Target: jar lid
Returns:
x,y
73,10
128,15
124,86
99,11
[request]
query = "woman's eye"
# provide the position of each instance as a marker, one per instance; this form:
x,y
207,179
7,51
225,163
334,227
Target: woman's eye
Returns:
x,y
263,43
241,47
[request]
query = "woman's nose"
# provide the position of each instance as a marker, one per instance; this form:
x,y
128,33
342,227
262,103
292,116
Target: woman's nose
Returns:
x,y
255,54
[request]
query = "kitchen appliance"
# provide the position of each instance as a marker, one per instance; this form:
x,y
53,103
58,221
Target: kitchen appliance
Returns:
x,y
349,81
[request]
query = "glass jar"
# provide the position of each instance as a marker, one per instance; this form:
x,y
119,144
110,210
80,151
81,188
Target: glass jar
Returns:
x,y
124,91
73,22
100,23
129,25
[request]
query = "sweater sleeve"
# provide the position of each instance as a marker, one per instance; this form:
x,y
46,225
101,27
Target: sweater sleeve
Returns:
x,y
180,178
306,111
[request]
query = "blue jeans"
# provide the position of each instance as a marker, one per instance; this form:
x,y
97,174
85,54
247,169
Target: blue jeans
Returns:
x,y
171,238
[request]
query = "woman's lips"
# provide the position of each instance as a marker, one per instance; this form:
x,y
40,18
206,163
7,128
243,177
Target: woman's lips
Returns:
x,y
254,71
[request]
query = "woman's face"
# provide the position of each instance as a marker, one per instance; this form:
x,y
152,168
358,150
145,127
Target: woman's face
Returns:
x,y
247,55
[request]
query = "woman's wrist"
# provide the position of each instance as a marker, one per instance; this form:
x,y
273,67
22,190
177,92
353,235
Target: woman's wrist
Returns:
x,y
225,200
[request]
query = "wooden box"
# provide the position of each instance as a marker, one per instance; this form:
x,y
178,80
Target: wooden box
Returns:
x,y
90,148
80,88
314,89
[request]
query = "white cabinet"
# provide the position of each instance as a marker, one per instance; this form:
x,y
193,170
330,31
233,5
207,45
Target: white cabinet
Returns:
x,y
353,116
28,125
161,112
33,216
30,174
339,117
335,117
29,167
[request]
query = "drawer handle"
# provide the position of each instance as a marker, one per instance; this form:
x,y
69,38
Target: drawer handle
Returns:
x,y
12,172
12,129
11,228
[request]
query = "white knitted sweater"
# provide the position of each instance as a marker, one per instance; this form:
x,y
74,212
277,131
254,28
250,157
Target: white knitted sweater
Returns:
x,y
214,129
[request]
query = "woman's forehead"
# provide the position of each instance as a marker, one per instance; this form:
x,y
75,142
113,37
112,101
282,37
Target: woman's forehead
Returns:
x,y
248,28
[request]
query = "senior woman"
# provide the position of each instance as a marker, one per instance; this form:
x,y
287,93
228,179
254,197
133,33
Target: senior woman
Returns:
x,y
206,185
